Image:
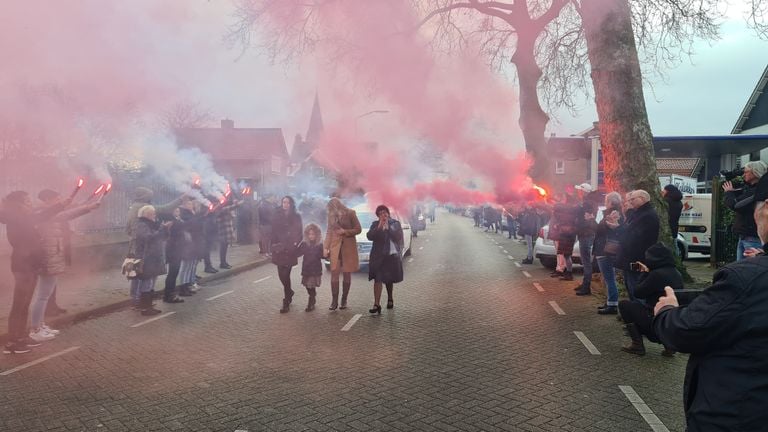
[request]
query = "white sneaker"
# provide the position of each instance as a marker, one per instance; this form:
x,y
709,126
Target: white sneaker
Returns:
x,y
40,335
49,330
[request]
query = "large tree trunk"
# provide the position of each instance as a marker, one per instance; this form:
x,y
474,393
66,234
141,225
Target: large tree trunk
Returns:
x,y
533,120
625,134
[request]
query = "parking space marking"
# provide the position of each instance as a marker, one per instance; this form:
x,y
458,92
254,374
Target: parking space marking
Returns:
x,y
153,319
526,273
262,279
517,263
587,343
538,286
219,295
38,361
510,257
351,322
644,410
556,307
501,247
421,247
505,251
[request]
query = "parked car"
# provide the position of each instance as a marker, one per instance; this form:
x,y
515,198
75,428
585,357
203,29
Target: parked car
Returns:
x,y
545,251
367,216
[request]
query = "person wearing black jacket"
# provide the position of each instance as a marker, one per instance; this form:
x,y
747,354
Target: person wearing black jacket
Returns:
x,y
286,236
27,258
311,248
193,248
385,266
587,228
674,199
530,222
725,331
174,250
639,233
657,271
568,221
742,202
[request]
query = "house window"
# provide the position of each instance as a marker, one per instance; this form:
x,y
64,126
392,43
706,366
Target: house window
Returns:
x,y
560,167
277,165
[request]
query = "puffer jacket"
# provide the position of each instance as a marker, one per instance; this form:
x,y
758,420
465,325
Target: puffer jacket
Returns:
x,y
54,238
725,331
662,273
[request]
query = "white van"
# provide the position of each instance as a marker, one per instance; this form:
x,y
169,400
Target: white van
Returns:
x,y
696,222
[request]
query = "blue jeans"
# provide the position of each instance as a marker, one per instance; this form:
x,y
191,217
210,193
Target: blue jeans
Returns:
x,y
585,250
135,293
529,243
605,264
631,279
746,243
45,286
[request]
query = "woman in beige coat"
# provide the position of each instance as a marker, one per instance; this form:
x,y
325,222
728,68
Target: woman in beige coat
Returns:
x,y
341,248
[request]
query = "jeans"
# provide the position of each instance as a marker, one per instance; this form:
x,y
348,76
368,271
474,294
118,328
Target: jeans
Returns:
x,y
585,250
45,286
605,264
23,290
631,279
284,273
146,285
746,243
135,293
529,243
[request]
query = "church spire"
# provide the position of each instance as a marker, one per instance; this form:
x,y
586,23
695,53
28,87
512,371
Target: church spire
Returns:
x,y
315,124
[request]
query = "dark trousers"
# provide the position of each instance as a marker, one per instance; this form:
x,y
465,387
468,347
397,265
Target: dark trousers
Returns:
x,y
284,273
170,279
207,256
223,246
23,289
639,315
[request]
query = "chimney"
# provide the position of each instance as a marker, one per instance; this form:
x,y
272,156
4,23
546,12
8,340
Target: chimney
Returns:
x,y
227,124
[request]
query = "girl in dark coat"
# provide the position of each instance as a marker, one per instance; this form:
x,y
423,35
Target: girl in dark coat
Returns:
x,y
312,265
658,271
385,265
286,236
148,243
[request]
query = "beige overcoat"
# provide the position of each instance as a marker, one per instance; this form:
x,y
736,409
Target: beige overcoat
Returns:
x,y
343,245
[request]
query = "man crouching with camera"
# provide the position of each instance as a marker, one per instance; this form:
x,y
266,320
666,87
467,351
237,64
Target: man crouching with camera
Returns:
x,y
725,329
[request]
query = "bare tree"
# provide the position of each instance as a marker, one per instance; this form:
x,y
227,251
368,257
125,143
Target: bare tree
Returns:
x,y
186,114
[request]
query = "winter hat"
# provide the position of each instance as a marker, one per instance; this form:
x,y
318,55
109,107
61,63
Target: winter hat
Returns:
x,y
143,194
586,187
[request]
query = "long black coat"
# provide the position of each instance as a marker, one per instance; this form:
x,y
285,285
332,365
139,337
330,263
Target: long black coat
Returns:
x,y
640,232
742,202
382,266
674,199
725,330
529,223
286,236
148,244
193,247
312,264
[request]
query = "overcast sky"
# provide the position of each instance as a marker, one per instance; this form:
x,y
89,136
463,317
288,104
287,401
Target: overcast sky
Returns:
x,y
701,96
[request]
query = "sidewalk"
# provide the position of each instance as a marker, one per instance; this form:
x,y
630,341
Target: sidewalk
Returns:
x,y
86,295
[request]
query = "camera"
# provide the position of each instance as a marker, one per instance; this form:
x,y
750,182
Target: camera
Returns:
x,y
732,174
634,266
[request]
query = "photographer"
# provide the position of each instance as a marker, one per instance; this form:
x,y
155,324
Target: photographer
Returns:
x,y
742,202
656,271
725,329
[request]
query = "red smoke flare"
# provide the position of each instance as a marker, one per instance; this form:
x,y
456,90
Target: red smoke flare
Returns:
x,y
542,192
80,182
98,191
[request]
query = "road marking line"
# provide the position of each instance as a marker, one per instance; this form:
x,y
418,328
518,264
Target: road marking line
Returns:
x,y
505,251
351,322
153,319
410,259
517,263
262,279
538,286
510,257
643,409
38,361
526,273
556,307
587,343
501,247
421,247
219,295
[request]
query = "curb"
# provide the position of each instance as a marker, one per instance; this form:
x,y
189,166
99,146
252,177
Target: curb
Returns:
x,y
74,318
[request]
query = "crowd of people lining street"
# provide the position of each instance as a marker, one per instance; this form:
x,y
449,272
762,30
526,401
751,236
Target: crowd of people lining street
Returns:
x,y
174,238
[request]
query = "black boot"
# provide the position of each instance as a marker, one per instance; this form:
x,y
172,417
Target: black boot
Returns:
x,y
390,301
146,306
567,276
286,306
344,293
312,295
334,295
668,352
636,347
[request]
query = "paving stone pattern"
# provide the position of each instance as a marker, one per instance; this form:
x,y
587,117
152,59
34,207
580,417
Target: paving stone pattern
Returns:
x,y
470,346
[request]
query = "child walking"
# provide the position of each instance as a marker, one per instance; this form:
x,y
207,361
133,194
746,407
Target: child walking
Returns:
x,y
312,266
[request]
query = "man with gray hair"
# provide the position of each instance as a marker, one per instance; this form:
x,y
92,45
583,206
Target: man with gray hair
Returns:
x,y
742,202
641,232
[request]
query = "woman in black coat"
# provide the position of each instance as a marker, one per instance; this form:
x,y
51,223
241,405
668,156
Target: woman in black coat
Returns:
x,y
674,199
192,248
286,236
385,265
147,244
658,271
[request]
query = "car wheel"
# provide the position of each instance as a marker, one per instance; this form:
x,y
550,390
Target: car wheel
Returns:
x,y
681,251
548,262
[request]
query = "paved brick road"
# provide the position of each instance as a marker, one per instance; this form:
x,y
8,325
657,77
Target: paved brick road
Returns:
x,y
470,346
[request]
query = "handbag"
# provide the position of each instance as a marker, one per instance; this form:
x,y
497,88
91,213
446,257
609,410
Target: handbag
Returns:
x,y
612,247
132,267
